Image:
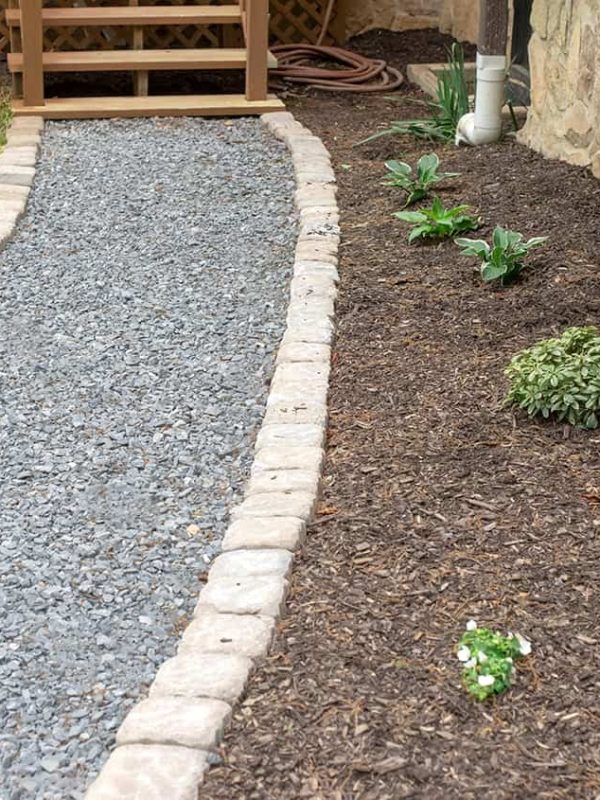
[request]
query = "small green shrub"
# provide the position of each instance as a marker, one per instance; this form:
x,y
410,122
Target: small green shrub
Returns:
x,y
450,103
488,659
503,259
400,175
438,222
5,112
559,377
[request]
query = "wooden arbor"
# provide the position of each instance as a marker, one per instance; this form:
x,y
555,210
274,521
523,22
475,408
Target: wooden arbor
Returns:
x,y
28,20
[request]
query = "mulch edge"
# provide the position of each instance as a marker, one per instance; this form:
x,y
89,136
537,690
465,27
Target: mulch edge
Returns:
x,y
167,741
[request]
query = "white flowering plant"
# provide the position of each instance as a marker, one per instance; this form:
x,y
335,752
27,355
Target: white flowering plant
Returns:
x,y
488,659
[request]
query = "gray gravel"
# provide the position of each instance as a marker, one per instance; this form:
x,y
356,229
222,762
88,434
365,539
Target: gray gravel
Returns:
x,y
141,303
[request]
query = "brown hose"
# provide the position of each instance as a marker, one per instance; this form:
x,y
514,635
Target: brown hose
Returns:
x,y
302,63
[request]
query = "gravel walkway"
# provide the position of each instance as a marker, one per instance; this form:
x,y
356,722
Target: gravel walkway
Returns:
x,y
140,306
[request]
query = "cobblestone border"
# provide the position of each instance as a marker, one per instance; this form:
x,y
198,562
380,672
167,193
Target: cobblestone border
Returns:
x,y
17,170
165,743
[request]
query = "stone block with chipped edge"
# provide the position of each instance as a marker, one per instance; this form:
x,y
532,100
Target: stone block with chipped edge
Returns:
x,y
186,721
316,268
311,304
316,251
302,352
295,394
10,206
304,287
301,434
270,458
26,124
311,372
307,173
244,563
256,532
322,214
316,228
222,676
26,156
315,196
287,480
151,772
212,632
16,138
9,175
263,595
276,504
306,331
296,412
9,191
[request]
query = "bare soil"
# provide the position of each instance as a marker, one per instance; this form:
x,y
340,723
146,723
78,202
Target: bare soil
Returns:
x,y
439,504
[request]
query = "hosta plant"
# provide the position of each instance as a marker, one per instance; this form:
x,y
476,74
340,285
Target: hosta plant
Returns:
x,y
417,188
559,378
438,222
488,659
503,259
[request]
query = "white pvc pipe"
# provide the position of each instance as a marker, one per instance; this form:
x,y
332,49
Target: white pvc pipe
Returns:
x,y
484,125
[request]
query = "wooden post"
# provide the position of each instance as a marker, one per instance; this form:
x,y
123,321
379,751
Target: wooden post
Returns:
x,y
140,78
493,27
257,47
32,35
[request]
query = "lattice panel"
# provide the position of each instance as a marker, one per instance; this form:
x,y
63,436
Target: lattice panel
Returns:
x,y
291,21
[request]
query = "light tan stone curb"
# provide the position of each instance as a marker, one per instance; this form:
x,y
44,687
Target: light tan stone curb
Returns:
x,y
17,170
165,743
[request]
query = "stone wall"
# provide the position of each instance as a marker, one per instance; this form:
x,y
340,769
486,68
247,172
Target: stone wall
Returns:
x,y
564,57
460,18
394,15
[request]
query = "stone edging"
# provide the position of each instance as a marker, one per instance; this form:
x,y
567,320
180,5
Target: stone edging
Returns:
x,y
166,742
17,170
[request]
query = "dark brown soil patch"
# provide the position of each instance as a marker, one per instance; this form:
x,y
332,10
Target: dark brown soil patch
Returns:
x,y
438,505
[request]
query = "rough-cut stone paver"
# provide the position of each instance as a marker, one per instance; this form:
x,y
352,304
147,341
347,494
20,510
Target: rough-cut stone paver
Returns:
x,y
303,351
221,676
244,563
277,504
284,532
284,412
244,634
255,595
293,435
279,457
150,772
185,721
290,480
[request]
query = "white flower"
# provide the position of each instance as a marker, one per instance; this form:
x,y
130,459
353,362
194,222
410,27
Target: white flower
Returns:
x,y
463,654
524,645
482,657
509,659
471,625
472,662
486,680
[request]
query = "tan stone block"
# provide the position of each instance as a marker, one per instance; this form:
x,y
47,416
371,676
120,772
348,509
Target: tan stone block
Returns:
x,y
24,156
283,458
150,772
306,330
26,124
242,634
185,721
316,269
13,175
297,412
22,139
292,435
263,595
283,532
222,676
307,372
316,196
295,394
316,251
305,287
291,480
9,191
277,504
302,352
246,563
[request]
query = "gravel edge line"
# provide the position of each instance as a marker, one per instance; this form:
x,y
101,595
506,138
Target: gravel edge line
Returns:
x,y
17,171
168,740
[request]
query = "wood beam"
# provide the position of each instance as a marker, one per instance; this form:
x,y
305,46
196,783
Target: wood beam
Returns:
x,y
33,46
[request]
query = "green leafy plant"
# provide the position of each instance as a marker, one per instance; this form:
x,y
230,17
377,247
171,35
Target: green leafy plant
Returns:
x,y
451,102
400,175
438,222
559,377
503,259
488,659
5,112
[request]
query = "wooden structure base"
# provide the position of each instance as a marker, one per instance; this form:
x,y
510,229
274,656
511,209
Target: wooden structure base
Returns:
x,y
223,105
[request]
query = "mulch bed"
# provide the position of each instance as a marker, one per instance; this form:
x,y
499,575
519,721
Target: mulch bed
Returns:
x,y
438,503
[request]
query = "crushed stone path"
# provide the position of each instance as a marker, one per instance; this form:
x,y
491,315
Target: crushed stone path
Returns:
x,y
141,302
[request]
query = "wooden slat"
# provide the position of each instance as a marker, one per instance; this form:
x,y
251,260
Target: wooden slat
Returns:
x,y
33,45
257,46
166,106
126,60
142,15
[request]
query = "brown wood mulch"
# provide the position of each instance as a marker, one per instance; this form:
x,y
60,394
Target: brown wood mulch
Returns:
x,y
439,505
